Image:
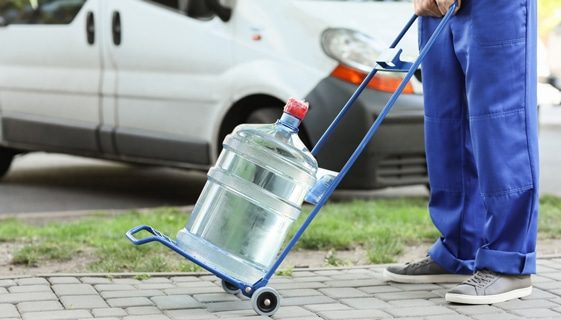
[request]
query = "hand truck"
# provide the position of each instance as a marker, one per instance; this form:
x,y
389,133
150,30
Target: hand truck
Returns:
x,y
266,300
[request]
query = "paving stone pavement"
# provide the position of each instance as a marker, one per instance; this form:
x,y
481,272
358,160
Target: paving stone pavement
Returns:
x,y
338,293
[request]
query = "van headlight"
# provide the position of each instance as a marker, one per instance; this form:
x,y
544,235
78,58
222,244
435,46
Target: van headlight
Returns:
x,y
356,53
352,48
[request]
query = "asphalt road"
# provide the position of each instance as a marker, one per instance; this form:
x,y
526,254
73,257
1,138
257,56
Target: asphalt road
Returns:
x,y
40,182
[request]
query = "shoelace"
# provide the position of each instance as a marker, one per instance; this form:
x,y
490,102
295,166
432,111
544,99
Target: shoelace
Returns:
x,y
481,278
418,264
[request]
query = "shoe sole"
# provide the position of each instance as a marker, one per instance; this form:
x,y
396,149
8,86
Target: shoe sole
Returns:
x,y
491,299
438,278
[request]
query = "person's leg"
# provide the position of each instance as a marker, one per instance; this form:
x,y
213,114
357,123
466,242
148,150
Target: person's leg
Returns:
x,y
500,43
455,205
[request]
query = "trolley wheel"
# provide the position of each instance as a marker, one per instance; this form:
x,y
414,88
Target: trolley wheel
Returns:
x,y
265,301
229,288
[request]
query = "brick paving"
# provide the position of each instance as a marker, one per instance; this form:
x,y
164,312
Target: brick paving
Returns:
x,y
352,293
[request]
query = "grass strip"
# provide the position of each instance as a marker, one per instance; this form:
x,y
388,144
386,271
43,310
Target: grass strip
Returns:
x,y
383,227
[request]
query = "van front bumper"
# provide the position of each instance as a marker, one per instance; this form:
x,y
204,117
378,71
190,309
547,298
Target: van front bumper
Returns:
x,y
396,154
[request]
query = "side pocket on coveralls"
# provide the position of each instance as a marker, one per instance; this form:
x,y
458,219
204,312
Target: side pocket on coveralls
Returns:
x,y
499,22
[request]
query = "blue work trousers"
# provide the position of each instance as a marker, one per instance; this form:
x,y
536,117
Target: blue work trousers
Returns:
x,y
481,136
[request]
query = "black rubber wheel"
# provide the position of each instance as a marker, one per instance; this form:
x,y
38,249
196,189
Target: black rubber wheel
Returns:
x,y
229,288
6,158
265,115
265,301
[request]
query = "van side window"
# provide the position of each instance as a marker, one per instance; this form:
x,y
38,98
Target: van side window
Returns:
x,y
197,9
40,11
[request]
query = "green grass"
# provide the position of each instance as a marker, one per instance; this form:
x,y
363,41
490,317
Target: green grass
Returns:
x,y
31,255
287,272
384,228
142,276
550,217
102,238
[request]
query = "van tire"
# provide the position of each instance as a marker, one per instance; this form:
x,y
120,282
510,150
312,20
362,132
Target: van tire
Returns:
x,y
6,158
264,115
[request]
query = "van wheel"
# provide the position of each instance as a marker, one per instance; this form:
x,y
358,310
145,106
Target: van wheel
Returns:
x,y
6,157
264,115
270,115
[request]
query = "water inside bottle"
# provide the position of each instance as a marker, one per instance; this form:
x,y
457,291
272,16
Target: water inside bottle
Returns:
x,y
253,195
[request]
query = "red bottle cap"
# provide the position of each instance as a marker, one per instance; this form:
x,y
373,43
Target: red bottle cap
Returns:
x,y
296,108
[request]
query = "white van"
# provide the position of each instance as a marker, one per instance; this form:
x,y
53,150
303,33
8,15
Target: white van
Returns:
x,y
163,81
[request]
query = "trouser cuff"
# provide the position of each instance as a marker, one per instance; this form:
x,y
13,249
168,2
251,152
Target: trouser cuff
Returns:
x,y
505,262
441,255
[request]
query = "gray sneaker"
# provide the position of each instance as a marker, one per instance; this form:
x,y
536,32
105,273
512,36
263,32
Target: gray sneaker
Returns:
x,y
422,271
487,287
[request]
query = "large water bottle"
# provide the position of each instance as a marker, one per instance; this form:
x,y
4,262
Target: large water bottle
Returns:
x,y
252,196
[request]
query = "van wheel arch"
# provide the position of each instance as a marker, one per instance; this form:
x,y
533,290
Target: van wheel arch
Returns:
x,y
6,157
258,109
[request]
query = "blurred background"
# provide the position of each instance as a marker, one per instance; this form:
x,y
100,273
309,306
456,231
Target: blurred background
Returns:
x,y
116,104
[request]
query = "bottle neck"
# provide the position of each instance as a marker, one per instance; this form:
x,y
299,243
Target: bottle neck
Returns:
x,y
289,121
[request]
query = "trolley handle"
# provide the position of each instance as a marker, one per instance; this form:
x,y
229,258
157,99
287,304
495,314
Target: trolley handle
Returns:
x,y
367,80
360,148
156,235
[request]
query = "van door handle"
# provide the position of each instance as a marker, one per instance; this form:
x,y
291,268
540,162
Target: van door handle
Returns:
x,y
116,28
90,28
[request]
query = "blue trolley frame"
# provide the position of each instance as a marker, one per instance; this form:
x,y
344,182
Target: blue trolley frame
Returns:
x,y
393,64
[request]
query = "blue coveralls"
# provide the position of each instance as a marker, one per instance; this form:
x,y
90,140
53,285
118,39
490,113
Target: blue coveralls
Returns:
x,y
481,136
